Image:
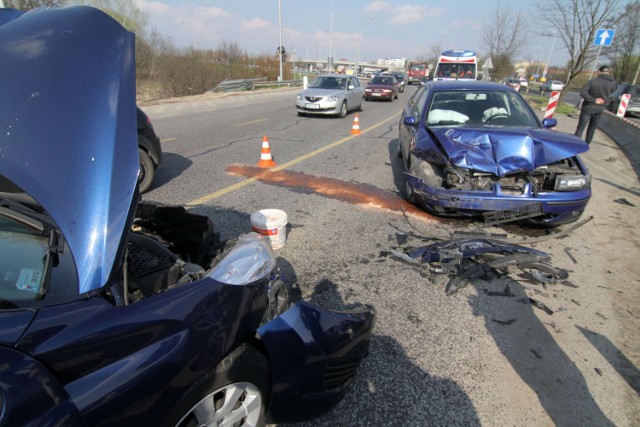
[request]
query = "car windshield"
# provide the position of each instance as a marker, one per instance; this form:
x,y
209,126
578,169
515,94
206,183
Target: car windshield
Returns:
x,y
479,108
325,82
382,81
24,248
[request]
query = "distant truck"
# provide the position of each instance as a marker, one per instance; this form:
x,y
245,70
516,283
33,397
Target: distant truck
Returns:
x,y
417,72
457,65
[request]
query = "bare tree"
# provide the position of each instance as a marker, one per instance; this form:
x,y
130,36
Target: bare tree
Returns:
x,y
505,35
32,4
576,22
625,52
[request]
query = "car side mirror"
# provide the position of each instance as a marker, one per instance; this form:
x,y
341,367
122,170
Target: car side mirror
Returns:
x,y
351,87
549,123
410,121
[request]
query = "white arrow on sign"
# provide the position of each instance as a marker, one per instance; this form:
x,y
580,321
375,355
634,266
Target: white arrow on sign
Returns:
x,y
603,38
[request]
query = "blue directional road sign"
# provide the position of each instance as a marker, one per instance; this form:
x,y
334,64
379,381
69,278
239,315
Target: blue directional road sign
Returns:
x,y
604,37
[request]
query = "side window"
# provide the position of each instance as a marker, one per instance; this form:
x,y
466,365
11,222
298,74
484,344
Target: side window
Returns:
x,y
420,102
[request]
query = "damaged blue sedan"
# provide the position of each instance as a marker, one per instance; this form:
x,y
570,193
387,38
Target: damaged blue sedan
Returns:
x,y
119,312
477,149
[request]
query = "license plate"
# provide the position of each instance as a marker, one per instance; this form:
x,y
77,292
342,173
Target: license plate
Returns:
x,y
312,106
376,94
509,215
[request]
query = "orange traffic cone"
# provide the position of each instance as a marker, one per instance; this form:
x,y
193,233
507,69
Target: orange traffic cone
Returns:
x,y
355,130
266,160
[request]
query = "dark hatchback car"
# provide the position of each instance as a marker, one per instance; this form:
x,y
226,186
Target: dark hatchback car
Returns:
x,y
401,81
382,87
149,151
119,312
478,149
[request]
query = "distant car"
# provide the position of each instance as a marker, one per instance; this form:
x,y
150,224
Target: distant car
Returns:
x,y
524,83
149,151
122,312
633,107
477,149
551,85
382,87
331,94
514,83
401,80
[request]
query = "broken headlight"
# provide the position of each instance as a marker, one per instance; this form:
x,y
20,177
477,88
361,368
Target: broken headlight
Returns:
x,y
571,182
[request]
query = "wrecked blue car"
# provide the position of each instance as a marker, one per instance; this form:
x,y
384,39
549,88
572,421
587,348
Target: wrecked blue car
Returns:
x,y
476,149
118,312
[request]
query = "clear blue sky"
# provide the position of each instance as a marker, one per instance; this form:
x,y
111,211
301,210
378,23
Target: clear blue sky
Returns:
x,y
369,29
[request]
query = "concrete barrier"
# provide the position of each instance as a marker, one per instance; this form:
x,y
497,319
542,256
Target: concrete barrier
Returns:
x,y
626,134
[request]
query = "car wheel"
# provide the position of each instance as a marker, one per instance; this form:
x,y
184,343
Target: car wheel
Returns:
x,y
234,393
361,108
343,110
147,171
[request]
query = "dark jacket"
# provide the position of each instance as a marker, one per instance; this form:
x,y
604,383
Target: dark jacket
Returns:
x,y
602,86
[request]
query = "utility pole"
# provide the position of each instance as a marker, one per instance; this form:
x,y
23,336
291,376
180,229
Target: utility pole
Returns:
x,y
280,45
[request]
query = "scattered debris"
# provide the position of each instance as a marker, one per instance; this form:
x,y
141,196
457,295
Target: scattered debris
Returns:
x,y
598,371
575,302
570,255
542,306
611,159
632,315
568,284
536,354
504,322
624,201
602,316
401,238
505,293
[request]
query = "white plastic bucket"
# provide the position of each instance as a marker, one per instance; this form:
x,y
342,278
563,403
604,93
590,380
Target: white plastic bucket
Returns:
x,y
272,224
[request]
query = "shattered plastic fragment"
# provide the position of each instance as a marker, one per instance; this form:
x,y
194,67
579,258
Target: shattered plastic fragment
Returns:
x,y
541,306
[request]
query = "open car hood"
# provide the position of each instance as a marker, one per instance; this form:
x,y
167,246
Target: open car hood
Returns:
x,y
506,151
68,126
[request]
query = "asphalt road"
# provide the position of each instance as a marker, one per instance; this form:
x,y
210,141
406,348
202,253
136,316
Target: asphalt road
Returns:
x,y
472,358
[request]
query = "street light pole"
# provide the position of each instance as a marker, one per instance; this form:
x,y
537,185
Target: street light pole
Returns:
x,y
331,39
280,30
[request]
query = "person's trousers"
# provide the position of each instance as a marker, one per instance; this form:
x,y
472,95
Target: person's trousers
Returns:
x,y
589,117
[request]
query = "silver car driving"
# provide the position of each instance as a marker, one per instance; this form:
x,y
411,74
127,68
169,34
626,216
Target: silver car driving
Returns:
x,y
331,94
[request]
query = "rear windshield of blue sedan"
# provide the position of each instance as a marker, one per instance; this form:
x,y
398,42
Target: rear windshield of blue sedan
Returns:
x,y
479,108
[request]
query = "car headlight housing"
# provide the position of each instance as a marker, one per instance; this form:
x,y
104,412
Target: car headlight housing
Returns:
x,y
571,182
251,259
299,97
333,98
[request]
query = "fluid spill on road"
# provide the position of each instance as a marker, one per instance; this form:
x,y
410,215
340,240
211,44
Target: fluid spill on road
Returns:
x,y
349,192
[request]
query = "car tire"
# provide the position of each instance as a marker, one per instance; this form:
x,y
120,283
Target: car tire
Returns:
x,y
147,171
343,110
243,376
361,108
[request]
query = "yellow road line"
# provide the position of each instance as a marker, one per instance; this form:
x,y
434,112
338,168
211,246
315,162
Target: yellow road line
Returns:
x,y
251,180
251,123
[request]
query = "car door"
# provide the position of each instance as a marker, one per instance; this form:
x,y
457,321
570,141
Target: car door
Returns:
x,y
414,108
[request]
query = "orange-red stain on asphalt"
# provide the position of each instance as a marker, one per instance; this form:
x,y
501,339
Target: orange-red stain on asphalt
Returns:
x,y
360,194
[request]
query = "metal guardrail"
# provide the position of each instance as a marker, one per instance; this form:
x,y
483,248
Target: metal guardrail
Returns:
x,y
252,84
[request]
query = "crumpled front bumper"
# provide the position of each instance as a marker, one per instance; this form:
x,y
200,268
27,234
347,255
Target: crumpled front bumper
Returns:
x,y
314,356
561,207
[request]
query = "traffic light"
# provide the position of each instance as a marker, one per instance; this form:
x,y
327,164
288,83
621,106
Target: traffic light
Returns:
x,y
283,52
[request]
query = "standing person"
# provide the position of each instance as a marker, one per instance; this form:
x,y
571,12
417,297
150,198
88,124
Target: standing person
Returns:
x,y
596,94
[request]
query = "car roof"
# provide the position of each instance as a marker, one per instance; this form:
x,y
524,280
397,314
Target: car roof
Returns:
x,y
447,85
